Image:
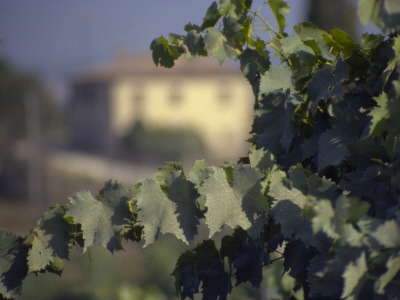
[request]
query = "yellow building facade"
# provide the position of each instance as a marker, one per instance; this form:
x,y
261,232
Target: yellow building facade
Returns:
x,y
214,101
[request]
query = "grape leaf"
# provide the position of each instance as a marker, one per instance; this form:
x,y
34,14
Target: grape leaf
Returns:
x,y
354,276
280,9
164,53
109,214
392,268
296,258
325,85
378,114
324,219
189,281
216,283
253,63
388,234
195,43
281,189
171,211
273,124
219,46
308,31
240,203
261,159
249,261
235,8
212,16
200,171
341,43
166,169
50,240
189,265
365,10
332,147
293,45
325,277
13,263
276,78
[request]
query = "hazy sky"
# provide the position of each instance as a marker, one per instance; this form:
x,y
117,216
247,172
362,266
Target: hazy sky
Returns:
x,y
56,37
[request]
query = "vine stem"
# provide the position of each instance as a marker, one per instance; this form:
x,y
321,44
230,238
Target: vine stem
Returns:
x,y
375,278
256,13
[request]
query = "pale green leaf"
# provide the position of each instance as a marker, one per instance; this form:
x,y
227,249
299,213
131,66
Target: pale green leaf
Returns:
x,y
293,45
261,159
392,6
200,171
354,276
240,203
281,189
102,219
388,234
235,8
218,45
378,114
365,10
308,31
276,78
171,211
392,268
323,219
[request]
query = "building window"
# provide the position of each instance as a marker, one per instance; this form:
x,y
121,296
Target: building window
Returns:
x,y
224,93
175,93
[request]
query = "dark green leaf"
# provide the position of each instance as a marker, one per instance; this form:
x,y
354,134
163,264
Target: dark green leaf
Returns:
x,y
332,147
325,85
13,263
280,9
212,16
165,170
254,63
216,283
273,124
234,8
249,261
51,240
164,53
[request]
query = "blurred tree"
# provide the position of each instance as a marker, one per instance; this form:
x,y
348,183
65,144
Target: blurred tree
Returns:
x,y
163,144
15,91
328,14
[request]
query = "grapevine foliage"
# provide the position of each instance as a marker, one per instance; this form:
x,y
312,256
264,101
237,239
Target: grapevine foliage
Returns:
x,y
320,187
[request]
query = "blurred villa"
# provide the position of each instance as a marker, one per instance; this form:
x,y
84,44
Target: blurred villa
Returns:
x,y
214,102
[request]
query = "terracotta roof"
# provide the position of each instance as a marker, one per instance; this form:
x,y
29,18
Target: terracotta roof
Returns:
x,y
143,65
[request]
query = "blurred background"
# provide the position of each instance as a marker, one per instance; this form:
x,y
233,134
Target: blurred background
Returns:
x,y
81,102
